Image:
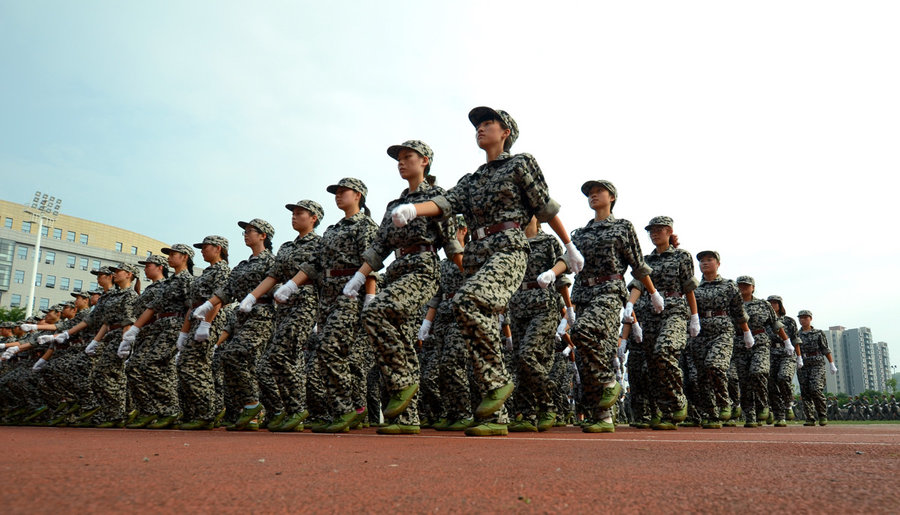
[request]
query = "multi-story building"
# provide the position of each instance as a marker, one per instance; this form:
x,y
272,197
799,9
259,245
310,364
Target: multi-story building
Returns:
x,y
69,250
837,383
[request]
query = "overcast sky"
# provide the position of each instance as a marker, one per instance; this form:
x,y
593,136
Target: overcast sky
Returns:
x,y
768,131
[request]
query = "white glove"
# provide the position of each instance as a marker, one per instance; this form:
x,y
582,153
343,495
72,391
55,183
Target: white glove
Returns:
x,y
694,326
39,364
351,289
368,298
403,214
561,328
202,332
9,353
507,342
574,258
799,362
130,335
28,327
47,338
124,349
62,337
637,332
617,366
178,358
788,348
546,278
248,303
91,349
832,367
203,310
570,315
567,351
659,304
2,346
284,292
620,352
182,339
749,342
628,315
424,329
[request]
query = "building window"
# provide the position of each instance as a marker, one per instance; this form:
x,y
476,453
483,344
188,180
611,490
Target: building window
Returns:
x,y
22,252
134,251
77,286
118,246
26,226
50,257
94,285
82,262
15,300
95,264
51,281
8,223
57,234
70,236
149,253
19,277
45,304
84,239
45,231
70,261
38,278
64,283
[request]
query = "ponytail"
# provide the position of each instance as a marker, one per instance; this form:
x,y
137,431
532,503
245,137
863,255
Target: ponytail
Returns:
x,y
430,179
137,283
267,243
362,205
165,271
223,253
190,265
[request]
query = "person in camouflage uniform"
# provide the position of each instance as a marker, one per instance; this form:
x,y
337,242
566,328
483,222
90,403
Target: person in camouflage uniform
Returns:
x,y
782,365
753,362
280,372
254,328
410,281
721,308
340,256
611,246
224,399
196,341
811,369
498,199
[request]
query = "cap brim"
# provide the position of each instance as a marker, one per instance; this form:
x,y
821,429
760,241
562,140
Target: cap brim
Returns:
x,y
199,245
291,207
166,251
332,189
589,185
482,113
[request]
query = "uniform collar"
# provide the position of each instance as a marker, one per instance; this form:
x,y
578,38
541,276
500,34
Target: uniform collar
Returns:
x,y
669,250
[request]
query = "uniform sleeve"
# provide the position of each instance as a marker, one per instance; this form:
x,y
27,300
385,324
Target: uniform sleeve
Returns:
x,y
790,327
633,256
447,232
690,281
634,284
536,194
454,200
823,343
279,266
736,306
125,314
774,323
379,249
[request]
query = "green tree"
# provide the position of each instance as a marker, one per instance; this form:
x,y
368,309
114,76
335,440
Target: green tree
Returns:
x,y
892,384
11,314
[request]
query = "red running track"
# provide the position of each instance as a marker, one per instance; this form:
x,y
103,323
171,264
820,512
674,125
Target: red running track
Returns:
x,y
834,469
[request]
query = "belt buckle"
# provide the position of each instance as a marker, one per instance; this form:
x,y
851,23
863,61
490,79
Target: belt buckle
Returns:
x,y
480,232
397,254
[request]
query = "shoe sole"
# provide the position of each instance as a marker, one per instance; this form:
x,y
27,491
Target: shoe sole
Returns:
x,y
400,408
490,406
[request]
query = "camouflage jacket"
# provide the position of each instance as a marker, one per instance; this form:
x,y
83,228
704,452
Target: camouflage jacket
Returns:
x,y
342,247
790,328
545,251
65,325
761,318
451,280
813,341
673,273
175,296
119,308
152,292
290,256
716,296
609,247
210,281
95,318
425,230
245,277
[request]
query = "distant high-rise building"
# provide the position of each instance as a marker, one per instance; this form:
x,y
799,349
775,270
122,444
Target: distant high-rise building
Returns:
x,y
837,383
862,364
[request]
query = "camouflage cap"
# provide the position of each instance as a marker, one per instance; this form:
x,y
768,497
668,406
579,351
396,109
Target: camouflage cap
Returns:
x,y
155,259
310,205
608,186
179,247
745,279
128,267
218,241
419,146
103,270
349,182
260,225
805,313
68,304
7,325
482,113
83,294
461,221
659,220
704,253
55,307
96,291
772,298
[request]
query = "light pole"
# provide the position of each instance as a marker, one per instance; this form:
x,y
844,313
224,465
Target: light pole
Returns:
x,y
43,208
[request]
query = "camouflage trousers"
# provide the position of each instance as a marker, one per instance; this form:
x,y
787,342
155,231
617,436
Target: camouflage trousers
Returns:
x,y
388,319
560,384
781,376
691,378
711,351
454,365
664,343
595,335
196,386
108,379
429,387
281,369
753,373
533,319
338,331
492,277
361,363
66,376
241,352
316,393
643,404
812,387
734,383
22,385
152,378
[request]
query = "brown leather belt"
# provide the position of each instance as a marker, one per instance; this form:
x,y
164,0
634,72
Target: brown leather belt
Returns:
x,y
713,313
448,296
414,249
340,272
594,281
167,315
757,331
264,300
676,294
529,285
483,232
114,327
811,354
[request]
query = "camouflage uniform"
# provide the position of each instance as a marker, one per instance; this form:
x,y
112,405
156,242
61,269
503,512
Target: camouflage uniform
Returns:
x,y
281,369
340,256
68,363
534,313
609,246
560,385
783,365
720,308
665,338
753,364
454,361
410,281
222,390
814,349
196,386
252,330
502,193
643,403
108,370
